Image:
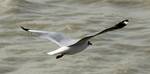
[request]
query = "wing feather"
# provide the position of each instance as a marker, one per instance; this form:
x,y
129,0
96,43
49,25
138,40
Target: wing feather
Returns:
x,y
117,26
58,38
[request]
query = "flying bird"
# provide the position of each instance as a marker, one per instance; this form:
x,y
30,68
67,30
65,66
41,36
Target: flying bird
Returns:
x,y
67,45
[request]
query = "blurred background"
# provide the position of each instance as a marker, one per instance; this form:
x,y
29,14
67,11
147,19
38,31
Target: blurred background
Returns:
x,y
125,51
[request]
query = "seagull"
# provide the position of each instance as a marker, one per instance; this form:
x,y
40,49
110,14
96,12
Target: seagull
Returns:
x,y
67,45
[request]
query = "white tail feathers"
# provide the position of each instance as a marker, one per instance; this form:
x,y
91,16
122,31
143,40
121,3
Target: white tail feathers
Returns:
x,y
59,51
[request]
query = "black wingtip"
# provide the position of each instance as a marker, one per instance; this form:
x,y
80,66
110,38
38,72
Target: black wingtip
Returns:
x,y
122,24
126,20
24,28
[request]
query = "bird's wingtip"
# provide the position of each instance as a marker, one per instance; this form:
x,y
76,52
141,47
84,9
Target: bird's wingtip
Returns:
x,y
24,28
121,24
126,20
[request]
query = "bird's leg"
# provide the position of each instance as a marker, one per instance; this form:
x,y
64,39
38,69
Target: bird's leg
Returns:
x,y
59,56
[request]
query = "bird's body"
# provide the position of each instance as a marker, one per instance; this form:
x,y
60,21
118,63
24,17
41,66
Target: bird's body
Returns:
x,y
77,48
70,50
70,46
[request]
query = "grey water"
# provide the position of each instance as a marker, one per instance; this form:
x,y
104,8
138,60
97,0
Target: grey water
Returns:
x,y
125,51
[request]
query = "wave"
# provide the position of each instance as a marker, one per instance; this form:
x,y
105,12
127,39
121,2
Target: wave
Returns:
x,y
105,1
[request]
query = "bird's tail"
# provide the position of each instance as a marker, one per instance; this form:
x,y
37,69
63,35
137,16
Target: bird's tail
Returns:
x,y
59,51
52,52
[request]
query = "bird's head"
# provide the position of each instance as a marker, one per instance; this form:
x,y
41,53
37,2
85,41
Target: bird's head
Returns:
x,y
89,43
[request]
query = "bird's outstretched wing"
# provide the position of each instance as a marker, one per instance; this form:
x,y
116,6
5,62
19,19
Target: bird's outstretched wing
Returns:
x,y
58,38
117,26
